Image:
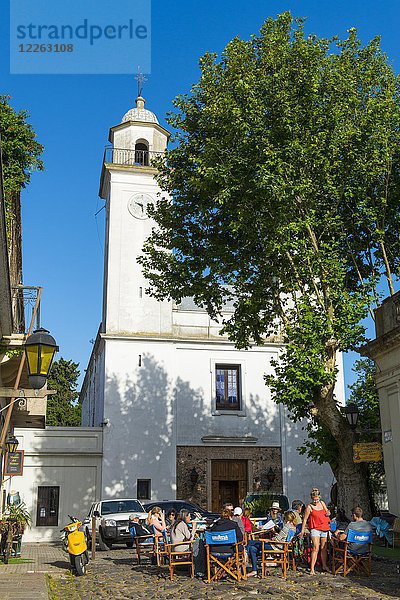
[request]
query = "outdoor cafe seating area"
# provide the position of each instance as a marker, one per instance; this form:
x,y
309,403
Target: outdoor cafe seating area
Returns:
x,y
286,555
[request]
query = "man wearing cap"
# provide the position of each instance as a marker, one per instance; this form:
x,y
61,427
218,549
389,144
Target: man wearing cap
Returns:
x,y
237,516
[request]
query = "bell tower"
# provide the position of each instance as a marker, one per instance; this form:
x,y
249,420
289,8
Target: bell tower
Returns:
x,y
128,187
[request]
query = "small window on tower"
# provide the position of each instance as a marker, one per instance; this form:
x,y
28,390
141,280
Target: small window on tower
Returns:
x,y
227,387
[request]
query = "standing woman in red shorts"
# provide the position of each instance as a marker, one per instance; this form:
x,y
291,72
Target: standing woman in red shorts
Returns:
x,y
317,516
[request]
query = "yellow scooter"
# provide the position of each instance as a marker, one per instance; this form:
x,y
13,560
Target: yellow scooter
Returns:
x,y
74,543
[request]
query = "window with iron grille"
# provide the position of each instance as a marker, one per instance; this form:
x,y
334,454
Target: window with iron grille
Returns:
x,y
144,489
47,506
228,387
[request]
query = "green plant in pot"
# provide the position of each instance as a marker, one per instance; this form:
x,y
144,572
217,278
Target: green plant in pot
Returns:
x,y
13,523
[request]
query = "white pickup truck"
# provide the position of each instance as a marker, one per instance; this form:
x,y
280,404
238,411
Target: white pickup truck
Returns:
x,y
112,521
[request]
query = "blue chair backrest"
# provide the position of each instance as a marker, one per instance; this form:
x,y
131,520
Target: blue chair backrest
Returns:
x,y
333,526
219,538
137,530
359,537
290,535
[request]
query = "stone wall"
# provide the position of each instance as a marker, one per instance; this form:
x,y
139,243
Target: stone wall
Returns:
x,y
260,460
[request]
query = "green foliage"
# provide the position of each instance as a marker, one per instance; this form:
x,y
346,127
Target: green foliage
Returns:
x,y
259,507
286,193
10,352
21,152
16,516
62,408
365,394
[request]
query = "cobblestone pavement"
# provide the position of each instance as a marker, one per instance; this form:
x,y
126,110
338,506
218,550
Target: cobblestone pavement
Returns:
x,y
114,574
27,581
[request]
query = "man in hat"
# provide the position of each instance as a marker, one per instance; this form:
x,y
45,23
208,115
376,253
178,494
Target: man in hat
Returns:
x,y
275,515
237,516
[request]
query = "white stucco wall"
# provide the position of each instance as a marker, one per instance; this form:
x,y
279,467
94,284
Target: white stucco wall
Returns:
x,y
390,419
169,401
300,474
92,394
385,350
68,457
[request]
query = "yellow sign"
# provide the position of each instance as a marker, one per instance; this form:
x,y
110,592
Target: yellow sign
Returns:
x,y
367,452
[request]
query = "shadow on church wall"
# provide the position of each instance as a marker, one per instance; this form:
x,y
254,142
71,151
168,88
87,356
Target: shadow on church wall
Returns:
x,y
137,441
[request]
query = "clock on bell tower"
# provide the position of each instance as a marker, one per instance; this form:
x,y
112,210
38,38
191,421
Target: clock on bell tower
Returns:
x,y
128,187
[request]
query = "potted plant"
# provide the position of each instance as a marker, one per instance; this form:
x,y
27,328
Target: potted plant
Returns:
x,y
13,523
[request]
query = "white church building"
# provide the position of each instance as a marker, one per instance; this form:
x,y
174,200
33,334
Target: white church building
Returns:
x,y
184,413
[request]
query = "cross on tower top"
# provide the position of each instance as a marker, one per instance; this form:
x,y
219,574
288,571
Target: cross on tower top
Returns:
x,y
141,79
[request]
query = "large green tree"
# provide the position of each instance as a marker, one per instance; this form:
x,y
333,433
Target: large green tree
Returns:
x,y
285,185
62,407
20,149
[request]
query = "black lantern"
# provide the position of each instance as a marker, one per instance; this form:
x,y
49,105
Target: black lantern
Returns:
x,y
11,443
351,412
194,476
40,348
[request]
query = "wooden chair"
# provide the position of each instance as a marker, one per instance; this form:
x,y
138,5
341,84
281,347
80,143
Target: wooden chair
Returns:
x,y
160,548
283,553
143,544
177,557
224,563
395,531
344,560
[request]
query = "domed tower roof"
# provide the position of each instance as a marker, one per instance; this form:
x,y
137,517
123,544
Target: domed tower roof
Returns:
x,y
140,113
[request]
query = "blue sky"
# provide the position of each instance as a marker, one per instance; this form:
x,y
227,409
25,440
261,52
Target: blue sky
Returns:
x,y
63,240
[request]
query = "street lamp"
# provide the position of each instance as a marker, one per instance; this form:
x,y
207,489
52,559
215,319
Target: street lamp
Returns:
x,y
40,348
351,412
11,443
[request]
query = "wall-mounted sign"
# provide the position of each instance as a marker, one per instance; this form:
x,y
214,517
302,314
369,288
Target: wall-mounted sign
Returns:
x,y
387,436
367,452
14,463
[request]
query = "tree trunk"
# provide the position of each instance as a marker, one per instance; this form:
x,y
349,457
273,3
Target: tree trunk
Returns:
x,y
352,480
351,477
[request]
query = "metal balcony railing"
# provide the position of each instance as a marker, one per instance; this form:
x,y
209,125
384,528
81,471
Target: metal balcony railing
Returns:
x,y
23,302
130,157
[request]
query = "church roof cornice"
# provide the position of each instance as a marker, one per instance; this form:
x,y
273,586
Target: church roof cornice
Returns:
x,y
201,339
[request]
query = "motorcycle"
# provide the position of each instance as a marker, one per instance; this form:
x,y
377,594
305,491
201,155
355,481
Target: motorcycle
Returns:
x,y
74,544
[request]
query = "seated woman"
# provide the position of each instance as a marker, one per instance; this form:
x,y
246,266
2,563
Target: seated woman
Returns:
x,y
171,517
254,547
180,532
155,519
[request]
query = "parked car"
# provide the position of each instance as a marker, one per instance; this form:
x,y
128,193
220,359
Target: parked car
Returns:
x,y
112,521
195,510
